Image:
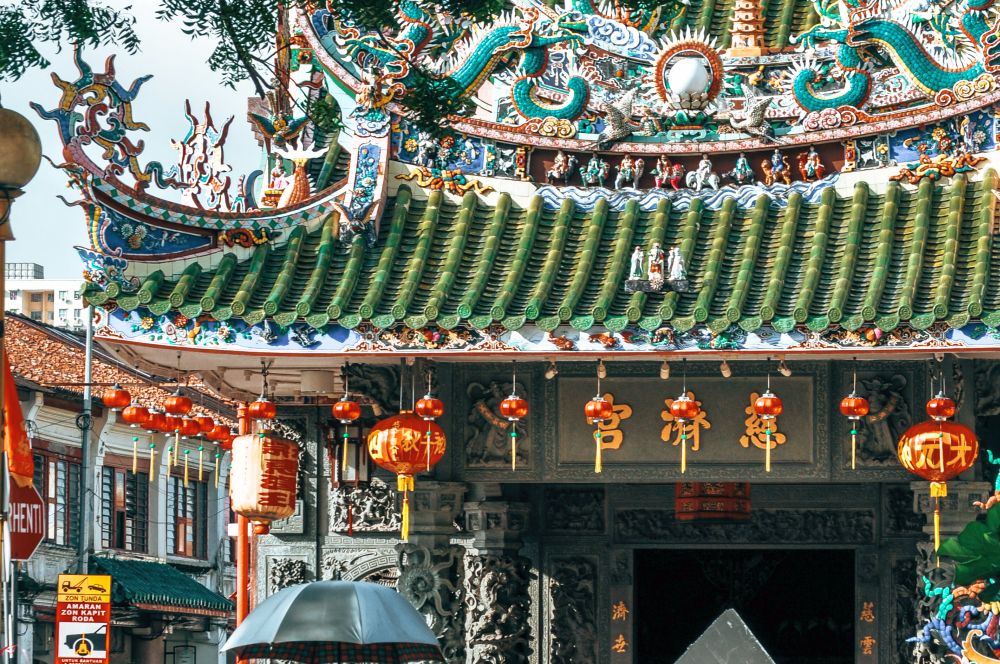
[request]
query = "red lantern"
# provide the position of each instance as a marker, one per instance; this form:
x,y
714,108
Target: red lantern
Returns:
x,y
938,451
768,406
135,415
598,410
219,432
345,410
226,442
854,407
178,404
684,409
429,408
515,409
262,409
395,444
189,428
264,479
205,423
116,398
941,408
171,424
156,421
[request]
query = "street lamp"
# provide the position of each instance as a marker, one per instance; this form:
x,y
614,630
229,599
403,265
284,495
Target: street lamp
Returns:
x,y
20,157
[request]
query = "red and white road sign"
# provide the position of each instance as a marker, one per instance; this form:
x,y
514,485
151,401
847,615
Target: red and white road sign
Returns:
x,y
27,521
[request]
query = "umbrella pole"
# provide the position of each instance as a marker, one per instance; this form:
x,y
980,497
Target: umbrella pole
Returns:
x,y
242,546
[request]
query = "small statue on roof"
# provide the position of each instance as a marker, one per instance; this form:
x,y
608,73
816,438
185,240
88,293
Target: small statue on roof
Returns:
x,y
626,172
595,173
656,266
562,169
810,166
636,269
743,172
661,172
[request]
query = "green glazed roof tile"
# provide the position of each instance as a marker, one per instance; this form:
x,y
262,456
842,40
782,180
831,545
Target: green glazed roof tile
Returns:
x,y
140,582
905,256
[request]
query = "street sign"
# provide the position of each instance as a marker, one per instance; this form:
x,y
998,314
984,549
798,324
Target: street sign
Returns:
x,y
27,521
83,618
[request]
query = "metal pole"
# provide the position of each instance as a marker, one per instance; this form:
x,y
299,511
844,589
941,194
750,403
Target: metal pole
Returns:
x,y
86,470
8,610
242,543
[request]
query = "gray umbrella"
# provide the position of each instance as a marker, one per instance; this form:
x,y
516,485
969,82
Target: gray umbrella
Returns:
x,y
336,621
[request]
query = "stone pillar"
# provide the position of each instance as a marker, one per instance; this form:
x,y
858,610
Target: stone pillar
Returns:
x,y
497,585
430,565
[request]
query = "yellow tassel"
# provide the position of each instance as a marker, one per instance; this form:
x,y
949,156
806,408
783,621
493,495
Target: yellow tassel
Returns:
x,y
135,455
597,457
404,483
201,461
939,490
767,450
152,462
177,442
343,462
428,447
513,449
854,448
170,451
186,467
218,462
684,462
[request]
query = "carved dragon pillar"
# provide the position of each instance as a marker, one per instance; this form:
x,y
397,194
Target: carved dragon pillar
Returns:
x,y
497,585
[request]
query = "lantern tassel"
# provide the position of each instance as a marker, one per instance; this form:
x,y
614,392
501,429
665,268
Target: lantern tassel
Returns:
x,y
854,448
684,462
939,490
152,462
218,462
177,441
185,468
428,447
343,462
513,448
135,455
767,450
597,456
170,450
201,461
350,518
404,484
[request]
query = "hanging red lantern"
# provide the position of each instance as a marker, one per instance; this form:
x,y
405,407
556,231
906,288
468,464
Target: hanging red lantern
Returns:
x,y
135,415
219,432
941,408
189,428
345,410
264,479
598,410
156,422
515,409
226,442
854,407
171,424
429,408
116,398
937,452
395,444
768,406
205,423
684,409
178,404
262,409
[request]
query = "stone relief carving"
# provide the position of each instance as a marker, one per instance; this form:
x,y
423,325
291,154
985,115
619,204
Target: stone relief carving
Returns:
x,y
987,386
431,580
575,510
621,568
926,606
285,572
375,565
765,525
487,433
889,417
904,585
376,386
957,384
497,609
572,611
900,519
373,508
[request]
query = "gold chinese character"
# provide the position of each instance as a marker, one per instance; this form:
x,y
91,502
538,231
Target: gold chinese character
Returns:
x,y
868,612
868,645
611,436
620,644
692,428
756,429
619,611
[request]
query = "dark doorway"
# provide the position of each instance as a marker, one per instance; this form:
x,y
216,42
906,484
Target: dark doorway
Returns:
x,y
799,604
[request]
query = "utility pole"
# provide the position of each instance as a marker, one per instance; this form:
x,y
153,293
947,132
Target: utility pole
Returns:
x,y
84,423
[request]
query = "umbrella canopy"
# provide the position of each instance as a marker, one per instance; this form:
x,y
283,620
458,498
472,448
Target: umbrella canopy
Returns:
x,y
336,621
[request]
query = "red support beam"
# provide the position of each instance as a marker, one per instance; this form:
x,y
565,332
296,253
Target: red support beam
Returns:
x,y
242,545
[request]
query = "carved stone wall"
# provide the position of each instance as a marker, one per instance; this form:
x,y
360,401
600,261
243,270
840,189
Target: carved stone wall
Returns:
x,y
431,579
498,616
285,572
572,618
373,509
577,510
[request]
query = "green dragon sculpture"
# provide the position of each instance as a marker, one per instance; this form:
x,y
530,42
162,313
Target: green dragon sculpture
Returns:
x,y
860,37
528,37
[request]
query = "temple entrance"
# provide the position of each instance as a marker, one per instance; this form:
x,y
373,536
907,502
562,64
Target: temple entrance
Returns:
x,y
798,603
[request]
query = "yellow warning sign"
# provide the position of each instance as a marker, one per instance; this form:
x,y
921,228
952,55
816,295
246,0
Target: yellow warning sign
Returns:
x,y
84,588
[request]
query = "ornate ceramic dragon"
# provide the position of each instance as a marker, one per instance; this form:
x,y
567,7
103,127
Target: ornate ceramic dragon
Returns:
x,y
529,35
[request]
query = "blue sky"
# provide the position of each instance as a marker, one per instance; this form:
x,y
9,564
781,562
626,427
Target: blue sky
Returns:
x,y
45,229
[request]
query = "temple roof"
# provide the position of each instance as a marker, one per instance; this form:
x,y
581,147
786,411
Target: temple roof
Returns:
x,y
906,256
